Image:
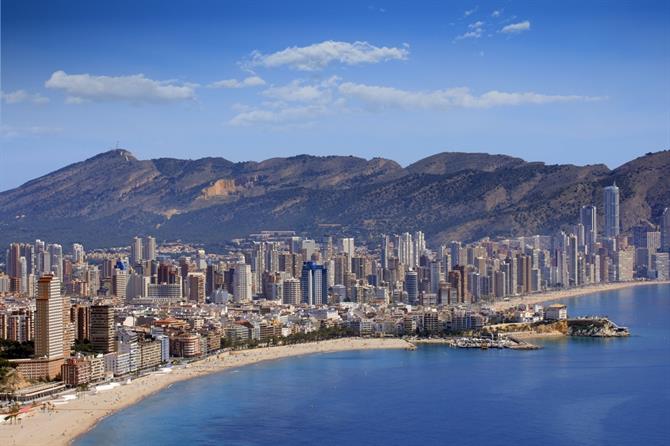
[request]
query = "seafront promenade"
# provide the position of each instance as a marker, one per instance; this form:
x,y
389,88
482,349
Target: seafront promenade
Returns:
x,y
548,296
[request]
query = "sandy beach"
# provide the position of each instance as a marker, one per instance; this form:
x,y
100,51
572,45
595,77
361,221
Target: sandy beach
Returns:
x,y
74,417
539,298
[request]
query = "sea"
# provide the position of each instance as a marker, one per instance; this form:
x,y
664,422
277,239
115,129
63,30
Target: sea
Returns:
x,y
583,391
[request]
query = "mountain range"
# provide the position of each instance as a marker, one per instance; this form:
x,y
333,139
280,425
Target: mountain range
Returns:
x,y
109,198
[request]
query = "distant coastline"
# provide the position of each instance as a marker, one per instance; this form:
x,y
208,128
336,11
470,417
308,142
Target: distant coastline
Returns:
x,y
78,416
540,298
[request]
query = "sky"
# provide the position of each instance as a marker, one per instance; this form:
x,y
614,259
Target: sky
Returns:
x,y
561,82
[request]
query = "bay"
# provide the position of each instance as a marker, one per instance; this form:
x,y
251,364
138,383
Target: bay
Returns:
x,y
573,391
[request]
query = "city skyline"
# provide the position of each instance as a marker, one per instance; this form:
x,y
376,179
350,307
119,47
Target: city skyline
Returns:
x,y
476,77
109,317
419,222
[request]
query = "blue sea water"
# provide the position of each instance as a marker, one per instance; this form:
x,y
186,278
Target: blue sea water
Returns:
x,y
572,392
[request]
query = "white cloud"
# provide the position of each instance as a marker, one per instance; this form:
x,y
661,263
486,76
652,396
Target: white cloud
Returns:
x,y
298,91
8,131
469,12
496,13
516,28
18,96
475,31
319,55
251,81
135,88
278,116
388,97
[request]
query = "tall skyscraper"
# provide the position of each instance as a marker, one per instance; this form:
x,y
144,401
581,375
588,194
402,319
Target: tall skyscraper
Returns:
x,y
136,251
406,250
14,266
385,252
120,282
573,257
412,287
314,284
347,246
102,329
588,218
611,203
665,230
455,251
291,291
436,276
78,253
49,318
196,287
149,248
419,246
242,291
56,253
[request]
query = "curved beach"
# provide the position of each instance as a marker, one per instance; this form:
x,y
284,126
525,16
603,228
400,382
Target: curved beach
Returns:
x,y
74,417
549,296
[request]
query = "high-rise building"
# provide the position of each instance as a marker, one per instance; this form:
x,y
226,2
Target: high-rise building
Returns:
x,y
588,218
78,253
14,266
120,283
611,204
347,246
405,248
102,330
665,230
624,261
56,253
314,284
196,287
572,258
419,246
385,252
82,319
291,292
242,291
412,287
149,248
136,251
436,276
49,318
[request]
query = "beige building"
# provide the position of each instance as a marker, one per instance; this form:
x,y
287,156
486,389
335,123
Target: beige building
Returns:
x,y
49,327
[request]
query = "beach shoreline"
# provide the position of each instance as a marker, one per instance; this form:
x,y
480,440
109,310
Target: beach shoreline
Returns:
x,y
75,417
540,298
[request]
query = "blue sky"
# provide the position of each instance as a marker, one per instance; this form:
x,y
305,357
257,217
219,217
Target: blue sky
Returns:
x,y
560,82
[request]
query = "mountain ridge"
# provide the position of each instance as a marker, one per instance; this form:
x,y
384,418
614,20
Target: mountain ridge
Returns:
x,y
110,197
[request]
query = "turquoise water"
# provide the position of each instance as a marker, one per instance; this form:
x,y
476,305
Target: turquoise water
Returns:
x,y
572,392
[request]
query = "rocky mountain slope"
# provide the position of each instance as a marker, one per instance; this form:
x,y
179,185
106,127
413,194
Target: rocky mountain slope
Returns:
x,y
107,199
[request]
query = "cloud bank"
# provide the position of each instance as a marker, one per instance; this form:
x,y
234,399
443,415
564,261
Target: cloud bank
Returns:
x,y
389,97
319,55
516,28
251,81
135,88
19,96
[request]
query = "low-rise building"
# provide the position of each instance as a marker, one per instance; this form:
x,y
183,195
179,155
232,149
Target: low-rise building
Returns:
x,y
556,312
